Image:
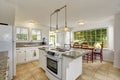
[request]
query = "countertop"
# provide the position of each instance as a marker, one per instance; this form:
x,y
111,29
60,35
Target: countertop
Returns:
x,y
72,53
3,64
75,53
26,46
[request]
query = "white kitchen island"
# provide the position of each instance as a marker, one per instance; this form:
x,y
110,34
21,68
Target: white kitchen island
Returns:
x,y
72,64
72,68
64,65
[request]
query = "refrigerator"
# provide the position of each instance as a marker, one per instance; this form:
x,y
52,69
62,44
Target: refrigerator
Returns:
x,y
7,43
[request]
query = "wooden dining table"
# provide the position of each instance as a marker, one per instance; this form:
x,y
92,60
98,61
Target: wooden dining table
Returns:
x,y
92,49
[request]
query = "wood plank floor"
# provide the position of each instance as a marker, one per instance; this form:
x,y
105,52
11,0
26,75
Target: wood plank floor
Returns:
x,y
91,71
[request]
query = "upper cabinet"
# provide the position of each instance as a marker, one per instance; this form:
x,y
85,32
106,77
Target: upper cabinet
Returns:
x,y
36,34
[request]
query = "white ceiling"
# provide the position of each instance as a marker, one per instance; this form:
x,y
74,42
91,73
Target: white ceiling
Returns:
x,y
91,11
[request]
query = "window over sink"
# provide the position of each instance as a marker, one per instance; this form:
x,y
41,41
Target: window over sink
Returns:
x,y
21,34
36,34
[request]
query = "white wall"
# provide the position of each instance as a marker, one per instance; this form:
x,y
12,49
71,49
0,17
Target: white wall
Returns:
x,y
117,32
117,41
7,15
7,12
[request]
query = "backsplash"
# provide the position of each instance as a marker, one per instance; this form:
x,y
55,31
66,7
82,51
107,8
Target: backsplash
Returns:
x,y
28,44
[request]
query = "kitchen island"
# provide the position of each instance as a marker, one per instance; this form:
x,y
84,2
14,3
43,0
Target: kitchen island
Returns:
x,y
72,64
64,65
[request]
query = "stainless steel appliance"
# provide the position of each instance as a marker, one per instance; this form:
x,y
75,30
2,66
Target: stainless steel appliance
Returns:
x,y
54,65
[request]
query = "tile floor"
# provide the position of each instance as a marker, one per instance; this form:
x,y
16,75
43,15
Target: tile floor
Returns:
x,y
91,71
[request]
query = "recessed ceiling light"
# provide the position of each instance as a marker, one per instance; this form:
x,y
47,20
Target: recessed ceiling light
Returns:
x,y
81,22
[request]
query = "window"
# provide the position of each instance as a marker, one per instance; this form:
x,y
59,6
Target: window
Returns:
x,y
21,33
67,37
52,38
93,37
36,34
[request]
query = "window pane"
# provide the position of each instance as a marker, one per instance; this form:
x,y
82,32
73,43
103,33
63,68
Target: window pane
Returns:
x,y
22,33
92,36
18,30
36,34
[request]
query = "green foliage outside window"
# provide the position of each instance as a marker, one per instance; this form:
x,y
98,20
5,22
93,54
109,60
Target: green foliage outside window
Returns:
x,y
34,37
92,36
21,33
22,36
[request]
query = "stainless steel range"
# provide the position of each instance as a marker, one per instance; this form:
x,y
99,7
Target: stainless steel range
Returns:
x,y
54,65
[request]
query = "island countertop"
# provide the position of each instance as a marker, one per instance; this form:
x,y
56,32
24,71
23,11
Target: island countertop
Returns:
x,y
72,53
75,53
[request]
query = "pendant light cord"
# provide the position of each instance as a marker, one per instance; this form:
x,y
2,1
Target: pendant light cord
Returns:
x,y
65,16
50,24
56,20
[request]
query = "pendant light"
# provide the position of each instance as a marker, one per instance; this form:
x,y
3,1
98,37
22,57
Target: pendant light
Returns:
x,y
50,30
66,28
57,30
56,11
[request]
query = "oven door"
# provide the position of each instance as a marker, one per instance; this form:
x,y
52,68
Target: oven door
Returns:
x,y
54,66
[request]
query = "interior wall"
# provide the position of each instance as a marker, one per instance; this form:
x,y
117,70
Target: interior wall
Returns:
x,y
7,15
7,12
117,32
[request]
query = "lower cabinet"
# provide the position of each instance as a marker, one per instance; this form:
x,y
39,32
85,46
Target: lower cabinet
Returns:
x,y
27,54
20,55
42,59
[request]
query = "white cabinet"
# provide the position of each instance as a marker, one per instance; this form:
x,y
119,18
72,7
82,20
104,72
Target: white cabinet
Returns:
x,y
32,53
21,55
42,59
27,54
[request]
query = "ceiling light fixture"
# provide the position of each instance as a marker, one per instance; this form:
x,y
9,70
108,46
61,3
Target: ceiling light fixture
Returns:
x,y
56,11
81,22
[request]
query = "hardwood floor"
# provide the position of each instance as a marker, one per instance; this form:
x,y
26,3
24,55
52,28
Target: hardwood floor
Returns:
x,y
91,71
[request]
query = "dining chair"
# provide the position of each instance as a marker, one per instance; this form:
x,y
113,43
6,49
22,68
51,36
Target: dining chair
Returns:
x,y
99,52
76,45
89,56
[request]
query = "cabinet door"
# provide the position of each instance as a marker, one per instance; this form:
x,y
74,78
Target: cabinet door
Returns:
x,y
35,54
42,59
29,55
32,54
21,57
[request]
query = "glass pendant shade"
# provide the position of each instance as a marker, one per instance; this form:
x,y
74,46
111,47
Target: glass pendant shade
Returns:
x,y
66,28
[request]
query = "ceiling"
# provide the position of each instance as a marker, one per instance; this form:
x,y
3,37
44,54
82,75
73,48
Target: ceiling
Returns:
x,y
92,11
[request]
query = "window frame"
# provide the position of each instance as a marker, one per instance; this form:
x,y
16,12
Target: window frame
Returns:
x,y
107,43
40,35
55,42
27,34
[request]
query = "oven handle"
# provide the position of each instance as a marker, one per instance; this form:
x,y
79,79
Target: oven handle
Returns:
x,y
53,58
